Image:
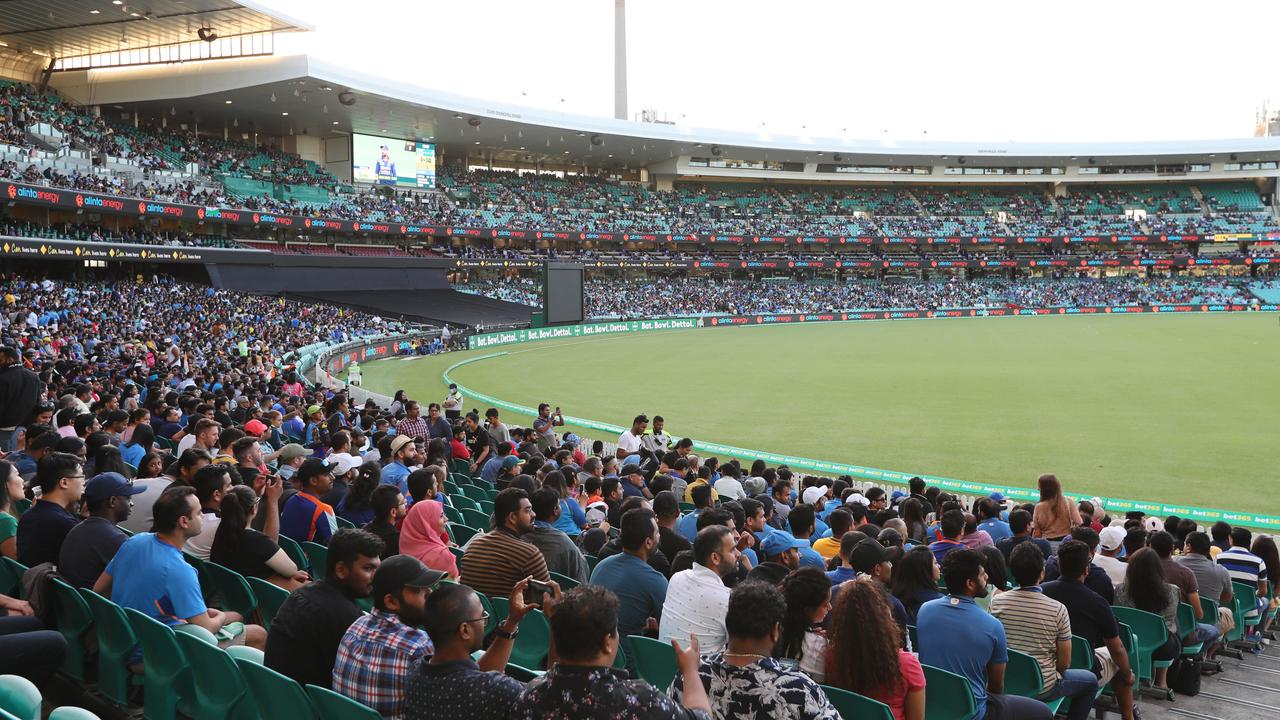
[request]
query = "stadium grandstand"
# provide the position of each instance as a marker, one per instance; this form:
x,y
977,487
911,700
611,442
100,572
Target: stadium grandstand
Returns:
x,y
220,263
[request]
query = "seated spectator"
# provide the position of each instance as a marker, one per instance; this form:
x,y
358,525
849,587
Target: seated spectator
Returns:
x,y
956,635
802,644
917,581
389,508
688,525
239,547
951,526
803,526
1146,588
1110,543
305,516
396,470
864,655
697,598
212,483
181,472
90,545
149,574
583,685
497,560
841,521
452,685
1213,580
974,538
354,506
1097,580
306,631
423,535
379,649
1039,626
988,511
1020,529
561,554
1185,580
43,528
1243,565
27,649
744,681
640,590
1092,619
13,492
666,507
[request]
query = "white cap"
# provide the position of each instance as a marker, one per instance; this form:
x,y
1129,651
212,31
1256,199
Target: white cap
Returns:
x,y
857,498
814,494
1152,524
1111,538
345,462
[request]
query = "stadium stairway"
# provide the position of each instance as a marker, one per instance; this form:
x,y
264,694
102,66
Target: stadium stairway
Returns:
x,y
1245,690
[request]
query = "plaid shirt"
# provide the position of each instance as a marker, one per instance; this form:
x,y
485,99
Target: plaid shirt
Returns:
x,y
374,659
413,428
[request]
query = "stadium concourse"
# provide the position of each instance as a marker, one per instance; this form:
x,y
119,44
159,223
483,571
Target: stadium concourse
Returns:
x,y
173,480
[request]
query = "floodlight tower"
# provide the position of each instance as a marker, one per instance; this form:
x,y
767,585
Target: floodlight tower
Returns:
x,y
620,59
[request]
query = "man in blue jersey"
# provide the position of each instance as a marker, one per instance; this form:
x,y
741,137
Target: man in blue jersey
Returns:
x,y
385,168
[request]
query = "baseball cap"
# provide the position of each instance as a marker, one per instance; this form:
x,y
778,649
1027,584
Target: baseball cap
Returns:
x,y
779,542
997,496
108,485
255,427
867,554
570,439
399,442
312,410
293,451
402,571
631,469
857,498
511,461
814,494
755,486
345,462
1152,524
896,496
1111,537
312,468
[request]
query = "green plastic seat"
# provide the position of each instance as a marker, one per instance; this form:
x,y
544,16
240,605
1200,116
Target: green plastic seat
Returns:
x,y
270,598
74,620
566,583
233,590
523,674
473,492
531,644
1187,626
460,467
71,712
1022,677
462,502
457,554
220,689
294,551
486,506
655,661
947,696
345,523
207,588
244,652
166,674
11,572
451,488
116,641
1151,633
452,514
592,561
687,507
19,697
462,533
1248,595
493,621
335,706
499,608
853,705
475,518
316,555
277,696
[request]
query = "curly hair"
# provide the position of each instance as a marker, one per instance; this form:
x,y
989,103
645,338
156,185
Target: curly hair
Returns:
x,y
805,590
862,641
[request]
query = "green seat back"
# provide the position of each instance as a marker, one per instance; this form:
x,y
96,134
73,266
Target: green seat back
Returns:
x,y
334,706
233,590
1150,632
253,655
462,502
462,533
294,551
277,696
1248,598
655,661
220,689
492,622
687,507
475,493
345,523
1022,675
316,555
451,488
592,561
853,705
71,712
1081,654
460,467
566,583
166,675
523,674
19,697
1186,618
499,608
74,619
531,644
475,518
486,506
11,571
270,598
452,514
948,696
116,641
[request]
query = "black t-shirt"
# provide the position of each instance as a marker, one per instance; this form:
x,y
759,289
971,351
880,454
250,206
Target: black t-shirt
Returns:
x,y
305,633
657,560
41,531
249,556
87,550
1097,580
671,542
390,537
1091,616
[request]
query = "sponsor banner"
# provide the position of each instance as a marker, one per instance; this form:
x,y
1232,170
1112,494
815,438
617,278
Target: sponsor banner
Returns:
x,y
1115,506
37,247
372,351
509,337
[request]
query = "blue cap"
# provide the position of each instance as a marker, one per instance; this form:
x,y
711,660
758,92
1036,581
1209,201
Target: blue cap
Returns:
x,y
779,542
997,496
897,494
108,485
570,439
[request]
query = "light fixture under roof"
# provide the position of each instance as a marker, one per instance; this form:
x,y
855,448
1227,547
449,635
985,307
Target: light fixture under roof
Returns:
x,y
117,2
227,102
94,12
284,114
335,122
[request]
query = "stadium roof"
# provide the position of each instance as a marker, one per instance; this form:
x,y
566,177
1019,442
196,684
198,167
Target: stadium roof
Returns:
x,y
280,94
66,28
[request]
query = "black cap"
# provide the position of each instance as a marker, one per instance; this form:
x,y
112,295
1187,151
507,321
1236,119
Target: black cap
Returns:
x,y
866,555
630,469
402,571
311,468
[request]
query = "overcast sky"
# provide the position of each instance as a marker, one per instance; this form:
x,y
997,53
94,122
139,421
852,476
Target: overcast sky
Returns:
x,y
990,71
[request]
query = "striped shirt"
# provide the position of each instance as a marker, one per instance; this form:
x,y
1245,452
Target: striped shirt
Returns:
x,y
1034,624
496,561
1244,567
413,428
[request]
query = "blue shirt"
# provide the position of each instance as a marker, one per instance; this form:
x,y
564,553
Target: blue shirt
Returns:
x,y
572,519
133,454
641,590
810,557
959,636
489,473
150,576
997,529
688,525
396,474
300,522
842,574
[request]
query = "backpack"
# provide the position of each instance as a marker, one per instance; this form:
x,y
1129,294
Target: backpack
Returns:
x,y
1184,676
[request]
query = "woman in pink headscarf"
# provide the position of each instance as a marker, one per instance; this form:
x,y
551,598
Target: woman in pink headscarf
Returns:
x,y
423,535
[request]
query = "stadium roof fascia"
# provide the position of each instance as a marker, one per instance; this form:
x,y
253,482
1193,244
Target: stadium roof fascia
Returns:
x,y
391,108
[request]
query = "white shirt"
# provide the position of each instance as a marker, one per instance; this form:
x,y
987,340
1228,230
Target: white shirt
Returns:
x,y
629,443
729,486
140,519
202,544
696,603
186,443
1115,569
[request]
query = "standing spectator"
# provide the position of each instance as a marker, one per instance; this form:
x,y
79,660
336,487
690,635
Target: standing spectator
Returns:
x,y
413,425
497,430
453,404
90,545
864,653
19,391
1055,514
956,635
697,598
423,536
629,441
807,593
148,574
1146,588
1039,626
583,685
43,528
745,681
306,631
497,560
437,426
544,427
379,649
640,589
917,581
307,518
561,554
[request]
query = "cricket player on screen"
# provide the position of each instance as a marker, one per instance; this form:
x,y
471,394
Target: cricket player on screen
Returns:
x,y
385,168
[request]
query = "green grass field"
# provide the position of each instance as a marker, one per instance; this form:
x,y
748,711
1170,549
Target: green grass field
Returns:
x,y
1172,408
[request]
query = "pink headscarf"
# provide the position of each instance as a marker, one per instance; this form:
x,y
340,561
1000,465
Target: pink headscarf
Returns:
x,y
419,537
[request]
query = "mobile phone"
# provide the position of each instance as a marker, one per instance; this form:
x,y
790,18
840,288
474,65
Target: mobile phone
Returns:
x,y
539,587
